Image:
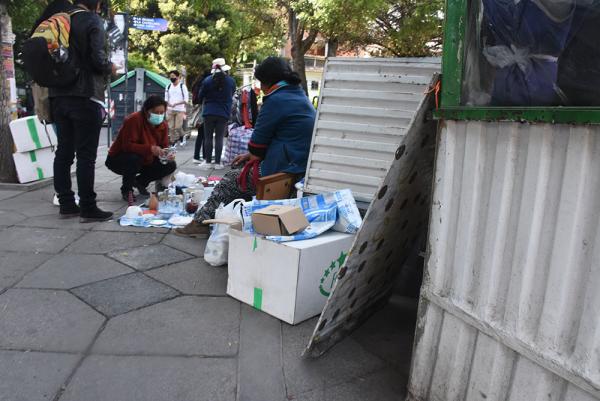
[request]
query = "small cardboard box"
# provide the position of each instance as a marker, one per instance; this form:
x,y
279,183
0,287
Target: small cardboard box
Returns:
x,y
34,165
29,133
279,220
290,280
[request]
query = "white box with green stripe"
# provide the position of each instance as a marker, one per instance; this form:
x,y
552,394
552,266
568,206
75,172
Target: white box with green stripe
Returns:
x,y
34,165
29,134
290,281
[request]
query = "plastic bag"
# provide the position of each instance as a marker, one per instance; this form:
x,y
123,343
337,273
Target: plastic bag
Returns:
x,y
237,143
320,214
321,219
347,216
217,246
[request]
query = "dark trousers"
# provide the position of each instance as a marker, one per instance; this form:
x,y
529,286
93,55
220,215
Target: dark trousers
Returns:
x,y
199,143
216,125
130,166
78,122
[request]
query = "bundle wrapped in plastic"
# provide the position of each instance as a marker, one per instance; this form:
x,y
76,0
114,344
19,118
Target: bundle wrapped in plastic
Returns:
x,y
337,211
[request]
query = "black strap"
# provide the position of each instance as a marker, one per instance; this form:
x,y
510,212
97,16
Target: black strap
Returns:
x,y
181,86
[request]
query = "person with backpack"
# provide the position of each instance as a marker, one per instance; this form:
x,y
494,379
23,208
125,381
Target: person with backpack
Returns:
x,y
176,95
217,94
75,71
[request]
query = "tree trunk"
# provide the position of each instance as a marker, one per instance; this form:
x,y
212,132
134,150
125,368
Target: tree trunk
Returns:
x,y
7,165
300,45
300,66
332,47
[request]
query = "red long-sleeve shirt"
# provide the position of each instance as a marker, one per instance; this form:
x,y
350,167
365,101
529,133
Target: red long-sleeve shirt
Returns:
x,y
137,135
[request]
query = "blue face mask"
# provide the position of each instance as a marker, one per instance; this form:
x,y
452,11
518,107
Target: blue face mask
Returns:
x,y
156,119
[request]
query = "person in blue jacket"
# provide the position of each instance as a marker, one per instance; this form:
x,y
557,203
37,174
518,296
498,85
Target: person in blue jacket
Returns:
x,y
280,142
217,95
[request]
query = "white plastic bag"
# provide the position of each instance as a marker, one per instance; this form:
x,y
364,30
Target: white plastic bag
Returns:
x,y
217,246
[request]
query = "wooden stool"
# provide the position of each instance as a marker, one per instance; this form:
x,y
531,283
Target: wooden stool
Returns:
x,y
275,186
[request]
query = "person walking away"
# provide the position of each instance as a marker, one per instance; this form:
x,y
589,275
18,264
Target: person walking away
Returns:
x,y
198,120
77,111
176,95
137,153
280,142
217,94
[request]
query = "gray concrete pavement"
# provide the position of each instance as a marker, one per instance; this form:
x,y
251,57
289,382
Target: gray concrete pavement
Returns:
x,y
97,312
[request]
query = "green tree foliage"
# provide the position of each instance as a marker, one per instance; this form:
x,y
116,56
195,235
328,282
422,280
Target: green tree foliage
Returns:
x,y
406,28
200,31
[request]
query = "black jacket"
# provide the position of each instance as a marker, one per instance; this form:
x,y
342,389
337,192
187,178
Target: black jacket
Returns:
x,y
87,41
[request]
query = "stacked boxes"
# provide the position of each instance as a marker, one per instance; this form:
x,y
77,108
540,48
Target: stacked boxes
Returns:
x,y
34,148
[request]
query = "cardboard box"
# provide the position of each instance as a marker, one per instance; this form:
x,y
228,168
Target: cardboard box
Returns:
x,y
290,280
29,133
34,165
279,220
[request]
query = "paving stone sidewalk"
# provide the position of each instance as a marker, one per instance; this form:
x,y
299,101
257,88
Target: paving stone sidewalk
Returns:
x,y
98,312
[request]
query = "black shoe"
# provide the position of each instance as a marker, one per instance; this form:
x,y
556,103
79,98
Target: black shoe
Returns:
x,y
69,210
160,187
94,214
141,188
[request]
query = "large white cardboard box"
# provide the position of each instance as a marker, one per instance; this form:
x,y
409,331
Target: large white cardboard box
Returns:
x,y
29,133
291,280
34,165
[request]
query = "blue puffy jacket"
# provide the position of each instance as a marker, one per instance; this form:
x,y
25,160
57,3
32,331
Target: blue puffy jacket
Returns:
x,y
283,131
216,102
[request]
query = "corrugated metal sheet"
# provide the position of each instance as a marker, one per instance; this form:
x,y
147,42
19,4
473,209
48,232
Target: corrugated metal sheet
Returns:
x,y
365,107
511,298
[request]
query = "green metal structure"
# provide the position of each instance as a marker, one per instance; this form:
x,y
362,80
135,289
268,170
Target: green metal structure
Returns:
x,y
453,62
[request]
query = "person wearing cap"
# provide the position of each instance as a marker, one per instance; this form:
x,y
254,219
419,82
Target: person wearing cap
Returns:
x,y
280,142
217,94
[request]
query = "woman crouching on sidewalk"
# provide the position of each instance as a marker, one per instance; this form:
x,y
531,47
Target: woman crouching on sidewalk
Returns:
x,y
141,140
280,142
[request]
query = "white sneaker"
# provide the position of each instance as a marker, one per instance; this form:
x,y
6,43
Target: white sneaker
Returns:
x,y
56,203
205,165
183,142
197,161
218,166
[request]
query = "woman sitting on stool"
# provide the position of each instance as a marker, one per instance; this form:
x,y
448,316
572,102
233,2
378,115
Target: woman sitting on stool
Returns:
x,y
280,142
141,140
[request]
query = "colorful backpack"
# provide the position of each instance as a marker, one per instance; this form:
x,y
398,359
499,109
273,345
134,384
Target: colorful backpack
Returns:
x,y
46,54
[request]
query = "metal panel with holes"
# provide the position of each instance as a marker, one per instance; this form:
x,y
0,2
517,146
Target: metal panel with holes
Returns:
x,y
393,230
365,108
511,295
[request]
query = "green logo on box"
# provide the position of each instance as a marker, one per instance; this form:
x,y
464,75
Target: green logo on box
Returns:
x,y
330,274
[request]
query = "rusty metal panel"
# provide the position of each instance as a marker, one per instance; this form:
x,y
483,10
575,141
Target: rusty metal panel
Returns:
x,y
365,108
510,299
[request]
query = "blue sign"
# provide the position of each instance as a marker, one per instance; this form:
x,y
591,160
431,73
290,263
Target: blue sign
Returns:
x,y
149,24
